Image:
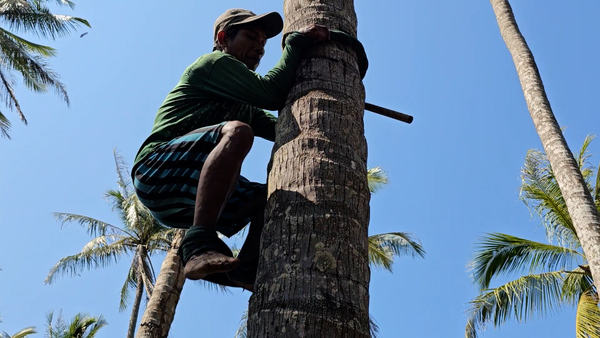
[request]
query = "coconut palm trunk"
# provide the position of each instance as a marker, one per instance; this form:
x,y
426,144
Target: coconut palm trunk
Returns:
x,y
313,275
160,310
139,291
572,185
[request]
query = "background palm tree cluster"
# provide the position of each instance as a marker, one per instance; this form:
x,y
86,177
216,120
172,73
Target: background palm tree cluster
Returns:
x,y
80,326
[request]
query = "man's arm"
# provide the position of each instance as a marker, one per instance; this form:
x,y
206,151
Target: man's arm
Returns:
x,y
230,78
263,124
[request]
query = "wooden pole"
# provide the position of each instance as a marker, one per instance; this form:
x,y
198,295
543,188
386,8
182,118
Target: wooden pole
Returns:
x,y
389,113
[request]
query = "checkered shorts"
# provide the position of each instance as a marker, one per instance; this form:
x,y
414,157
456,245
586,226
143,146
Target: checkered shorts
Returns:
x,y
167,181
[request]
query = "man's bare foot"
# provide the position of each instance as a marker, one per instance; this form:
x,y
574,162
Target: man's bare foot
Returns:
x,y
200,266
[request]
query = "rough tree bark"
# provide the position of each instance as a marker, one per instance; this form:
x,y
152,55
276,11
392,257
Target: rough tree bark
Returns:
x,y
313,278
160,310
579,201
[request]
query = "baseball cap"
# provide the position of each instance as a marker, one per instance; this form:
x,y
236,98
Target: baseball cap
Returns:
x,y
271,22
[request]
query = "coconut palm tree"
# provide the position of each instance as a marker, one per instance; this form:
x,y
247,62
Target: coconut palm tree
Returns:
x,y
26,58
557,273
313,272
578,200
140,236
81,326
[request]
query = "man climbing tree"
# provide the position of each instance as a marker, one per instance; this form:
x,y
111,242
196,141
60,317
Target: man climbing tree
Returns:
x,y
187,172
313,275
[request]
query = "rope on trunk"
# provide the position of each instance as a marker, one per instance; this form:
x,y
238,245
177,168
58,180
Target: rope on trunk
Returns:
x,y
349,40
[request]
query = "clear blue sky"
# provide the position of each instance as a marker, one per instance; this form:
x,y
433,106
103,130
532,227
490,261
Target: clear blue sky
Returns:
x,y
454,173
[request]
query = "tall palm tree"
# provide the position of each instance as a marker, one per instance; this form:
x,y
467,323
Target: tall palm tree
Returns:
x,y
81,326
579,202
140,236
556,274
313,270
27,58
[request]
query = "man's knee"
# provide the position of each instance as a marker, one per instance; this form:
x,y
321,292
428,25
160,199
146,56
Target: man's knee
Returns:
x,y
239,134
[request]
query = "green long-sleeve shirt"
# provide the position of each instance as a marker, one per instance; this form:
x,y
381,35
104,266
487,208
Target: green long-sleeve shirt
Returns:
x,y
217,87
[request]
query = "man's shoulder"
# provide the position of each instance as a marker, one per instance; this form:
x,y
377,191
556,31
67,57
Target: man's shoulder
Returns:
x,y
213,57
204,65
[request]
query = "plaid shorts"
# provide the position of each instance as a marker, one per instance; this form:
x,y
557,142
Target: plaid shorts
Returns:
x,y
166,182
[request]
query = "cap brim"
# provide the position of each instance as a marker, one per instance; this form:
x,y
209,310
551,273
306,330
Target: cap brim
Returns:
x,y
271,22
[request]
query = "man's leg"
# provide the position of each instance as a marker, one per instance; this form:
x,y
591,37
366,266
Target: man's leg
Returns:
x,y
251,247
245,275
217,180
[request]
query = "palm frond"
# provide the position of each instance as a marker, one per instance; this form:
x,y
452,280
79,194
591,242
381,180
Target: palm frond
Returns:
x,y
213,286
38,20
80,324
118,203
380,257
373,327
383,248
153,234
53,329
93,226
25,45
9,97
99,254
520,299
583,155
499,253
69,3
542,195
587,170
576,283
99,323
242,331
124,181
21,334
103,241
4,126
137,216
587,322
376,178
34,69
583,162
161,240
130,283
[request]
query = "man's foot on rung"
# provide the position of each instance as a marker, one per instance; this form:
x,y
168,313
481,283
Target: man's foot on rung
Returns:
x,y
200,266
